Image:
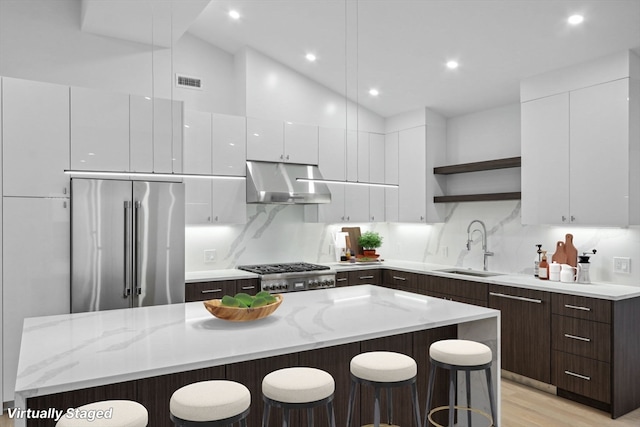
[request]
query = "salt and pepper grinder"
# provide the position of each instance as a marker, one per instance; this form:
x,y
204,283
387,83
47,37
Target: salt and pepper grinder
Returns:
x,y
536,262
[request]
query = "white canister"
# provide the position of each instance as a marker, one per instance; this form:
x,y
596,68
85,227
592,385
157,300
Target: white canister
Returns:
x,y
554,272
567,274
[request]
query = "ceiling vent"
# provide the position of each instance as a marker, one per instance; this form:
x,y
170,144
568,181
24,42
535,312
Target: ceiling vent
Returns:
x,y
188,82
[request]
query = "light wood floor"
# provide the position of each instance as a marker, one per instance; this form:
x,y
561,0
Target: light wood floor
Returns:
x,y
527,407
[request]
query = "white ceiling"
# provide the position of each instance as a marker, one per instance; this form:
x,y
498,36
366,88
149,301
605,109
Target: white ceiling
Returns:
x,y
400,46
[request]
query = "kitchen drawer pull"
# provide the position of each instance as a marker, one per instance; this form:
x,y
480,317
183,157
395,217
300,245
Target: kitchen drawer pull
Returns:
x,y
573,374
575,307
575,337
341,279
399,278
248,288
496,294
366,277
210,291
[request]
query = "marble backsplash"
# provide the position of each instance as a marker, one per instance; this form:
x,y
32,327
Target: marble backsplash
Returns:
x,y
278,233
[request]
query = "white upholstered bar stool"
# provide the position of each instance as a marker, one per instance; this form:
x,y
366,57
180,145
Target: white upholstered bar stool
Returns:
x,y
214,403
459,355
107,413
383,370
298,388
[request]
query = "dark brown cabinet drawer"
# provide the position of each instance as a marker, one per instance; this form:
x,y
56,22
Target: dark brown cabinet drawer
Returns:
x,y
202,291
248,286
401,279
581,337
580,307
364,277
583,376
464,289
342,278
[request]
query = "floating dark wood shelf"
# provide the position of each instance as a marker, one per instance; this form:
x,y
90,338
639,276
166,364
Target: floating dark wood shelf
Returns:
x,y
478,197
510,162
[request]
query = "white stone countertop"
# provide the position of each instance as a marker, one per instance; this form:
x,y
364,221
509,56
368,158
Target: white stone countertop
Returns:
x,y
608,291
73,351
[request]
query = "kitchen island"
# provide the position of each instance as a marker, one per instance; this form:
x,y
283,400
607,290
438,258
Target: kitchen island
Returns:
x,y
66,353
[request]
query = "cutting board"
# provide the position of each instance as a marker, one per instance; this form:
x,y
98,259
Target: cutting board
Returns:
x,y
570,251
352,239
559,256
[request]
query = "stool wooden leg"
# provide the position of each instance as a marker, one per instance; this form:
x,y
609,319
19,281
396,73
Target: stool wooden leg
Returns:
x,y
376,408
432,377
352,399
265,414
416,403
468,381
452,394
491,397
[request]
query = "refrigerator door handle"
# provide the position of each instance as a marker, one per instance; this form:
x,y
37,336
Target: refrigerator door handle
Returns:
x,y
127,248
138,286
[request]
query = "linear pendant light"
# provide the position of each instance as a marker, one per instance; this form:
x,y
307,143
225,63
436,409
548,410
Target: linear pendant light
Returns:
x,y
151,174
334,181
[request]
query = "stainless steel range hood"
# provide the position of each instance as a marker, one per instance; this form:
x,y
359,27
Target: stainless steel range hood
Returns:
x,y
269,182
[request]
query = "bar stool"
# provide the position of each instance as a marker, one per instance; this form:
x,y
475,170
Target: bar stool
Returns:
x,y
214,403
383,370
459,355
298,388
116,413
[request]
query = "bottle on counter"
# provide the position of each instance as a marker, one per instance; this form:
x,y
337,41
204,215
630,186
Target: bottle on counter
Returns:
x,y
348,255
343,255
543,268
536,261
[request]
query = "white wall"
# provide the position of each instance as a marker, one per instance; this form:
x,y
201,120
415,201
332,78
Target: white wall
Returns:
x,y
41,40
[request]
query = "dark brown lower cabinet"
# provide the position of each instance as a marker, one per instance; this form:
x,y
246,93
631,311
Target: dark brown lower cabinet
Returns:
x,y
154,393
525,330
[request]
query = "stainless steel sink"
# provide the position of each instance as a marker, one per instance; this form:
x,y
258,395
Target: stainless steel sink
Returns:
x,y
474,273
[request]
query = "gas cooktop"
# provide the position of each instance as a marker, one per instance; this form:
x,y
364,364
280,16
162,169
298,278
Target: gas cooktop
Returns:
x,y
294,267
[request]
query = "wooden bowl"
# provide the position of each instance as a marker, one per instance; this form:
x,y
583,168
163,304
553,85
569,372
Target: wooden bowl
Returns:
x,y
237,314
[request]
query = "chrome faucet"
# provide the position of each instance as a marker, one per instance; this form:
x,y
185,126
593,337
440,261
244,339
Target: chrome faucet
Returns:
x,y
483,233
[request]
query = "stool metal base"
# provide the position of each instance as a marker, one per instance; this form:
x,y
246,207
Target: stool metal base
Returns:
x,y
287,407
453,387
463,408
227,422
378,386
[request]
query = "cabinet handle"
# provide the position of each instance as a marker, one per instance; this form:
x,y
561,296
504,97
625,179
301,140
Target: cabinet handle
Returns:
x,y
575,337
216,218
287,157
495,294
208,219
575,307
64,190
564,218
210,291
248,288
64,205
348,218
281,156
421,218
573,218
573,374
399,278
366,277
341,279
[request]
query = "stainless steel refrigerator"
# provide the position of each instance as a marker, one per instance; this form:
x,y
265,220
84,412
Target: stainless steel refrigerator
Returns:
x,y
127,244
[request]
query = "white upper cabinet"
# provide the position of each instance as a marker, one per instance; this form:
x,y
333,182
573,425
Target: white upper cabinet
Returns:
x,y
168,127
356,197
229,137
570,138
376,175
545,160
99,130
277,141
567,141
391,170
214,144
412,175
300,143
35,138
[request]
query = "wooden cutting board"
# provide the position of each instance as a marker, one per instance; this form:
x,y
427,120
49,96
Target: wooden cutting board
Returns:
x,y
570,251
352,239
559,256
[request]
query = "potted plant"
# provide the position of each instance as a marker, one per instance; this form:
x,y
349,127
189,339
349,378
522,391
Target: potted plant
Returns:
x,y
370,241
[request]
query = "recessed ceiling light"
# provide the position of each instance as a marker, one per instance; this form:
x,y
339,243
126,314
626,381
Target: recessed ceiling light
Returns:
x,y
310,57
234,14
575,19
452,65
374,92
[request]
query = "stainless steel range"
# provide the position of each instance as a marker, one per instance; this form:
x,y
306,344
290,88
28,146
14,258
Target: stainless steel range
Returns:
x,y
290,277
